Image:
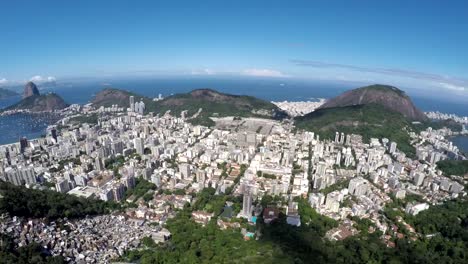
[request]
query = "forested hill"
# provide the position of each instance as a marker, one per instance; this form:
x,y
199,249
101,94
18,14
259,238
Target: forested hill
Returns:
x,y
215,104
203,103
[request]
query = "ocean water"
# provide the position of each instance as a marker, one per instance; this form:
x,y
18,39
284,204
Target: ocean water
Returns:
x,y
267,89
461,142
15,126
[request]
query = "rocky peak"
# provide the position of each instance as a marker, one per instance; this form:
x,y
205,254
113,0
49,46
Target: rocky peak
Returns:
x,y
30,89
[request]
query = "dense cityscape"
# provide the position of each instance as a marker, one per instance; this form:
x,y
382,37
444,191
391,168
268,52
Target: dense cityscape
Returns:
x,y
341,178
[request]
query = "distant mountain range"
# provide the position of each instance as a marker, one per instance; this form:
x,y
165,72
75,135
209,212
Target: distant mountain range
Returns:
x,y
5,93
212,104
35,102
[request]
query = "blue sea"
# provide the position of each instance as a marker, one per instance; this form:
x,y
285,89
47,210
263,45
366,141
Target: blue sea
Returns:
x,y
268,89
461,142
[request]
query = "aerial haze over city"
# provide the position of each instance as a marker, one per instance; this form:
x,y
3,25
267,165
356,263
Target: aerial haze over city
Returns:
x,y
234,132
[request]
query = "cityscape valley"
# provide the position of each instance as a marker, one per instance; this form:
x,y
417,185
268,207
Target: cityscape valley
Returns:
x,y
129,178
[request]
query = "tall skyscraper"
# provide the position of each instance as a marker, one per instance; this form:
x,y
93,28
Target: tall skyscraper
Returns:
x,y
337,137
132,103
139,146
53,134
23,144
247,204
184,169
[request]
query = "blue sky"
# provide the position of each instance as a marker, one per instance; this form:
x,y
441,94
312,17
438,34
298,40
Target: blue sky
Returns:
x,y
416,44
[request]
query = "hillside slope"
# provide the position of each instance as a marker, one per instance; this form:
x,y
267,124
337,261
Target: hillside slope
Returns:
x,y
389,97
371,120
40,103
113,96
211,103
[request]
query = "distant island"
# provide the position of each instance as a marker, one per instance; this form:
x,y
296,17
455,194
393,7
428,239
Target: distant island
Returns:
x,y
5,93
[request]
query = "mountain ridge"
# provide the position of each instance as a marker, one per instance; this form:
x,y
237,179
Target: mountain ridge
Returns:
x,y
388,96
211,102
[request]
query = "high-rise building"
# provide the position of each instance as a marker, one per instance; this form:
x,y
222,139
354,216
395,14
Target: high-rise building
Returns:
x,y
393,147
129,181
247,204
342,138
141,108
62,185
20,175
23,144
358,186
156,179
139,146
53,134
118,190
337,137
418,178
99,164
132,103
184,169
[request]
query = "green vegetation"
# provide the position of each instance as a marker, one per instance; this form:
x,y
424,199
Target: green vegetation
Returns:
x,y
20,201
282,243
192,243
88,118
141,189
367,120
212,103
266,175
216,104
335,187
148,242
453,167
32,253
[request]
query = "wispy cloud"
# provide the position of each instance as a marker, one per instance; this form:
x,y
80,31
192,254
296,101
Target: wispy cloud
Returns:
x,y
3,81
453,87
40,79
203,72
264,73
437,80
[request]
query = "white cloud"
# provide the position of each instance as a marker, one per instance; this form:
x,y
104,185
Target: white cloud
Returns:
x,y
40,79
37,78
3,81
263,73
203,72
452,87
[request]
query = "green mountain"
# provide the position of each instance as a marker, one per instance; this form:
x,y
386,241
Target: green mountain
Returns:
x,y
215,104
5,93
371,120
113,96
211,103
